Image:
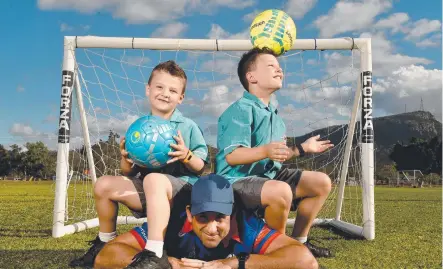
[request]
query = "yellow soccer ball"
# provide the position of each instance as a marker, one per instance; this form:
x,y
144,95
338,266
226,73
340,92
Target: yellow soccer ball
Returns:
x,y
273,29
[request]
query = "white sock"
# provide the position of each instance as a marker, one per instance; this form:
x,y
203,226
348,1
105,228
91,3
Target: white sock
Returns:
x,y
106,237
302,239
155,246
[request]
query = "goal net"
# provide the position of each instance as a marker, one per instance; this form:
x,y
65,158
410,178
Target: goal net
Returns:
x,y
327,91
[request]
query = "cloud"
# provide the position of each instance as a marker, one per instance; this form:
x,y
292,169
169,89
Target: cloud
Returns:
x,y
396,22
51,118
22,133
300,121
297,9
19,129
99,124
385,59
141,11
250,16
220,65
216,100
433,41
414,31
64,27
135,60
423,27
218,32
316,104
20,88
406,86
171,30
348,16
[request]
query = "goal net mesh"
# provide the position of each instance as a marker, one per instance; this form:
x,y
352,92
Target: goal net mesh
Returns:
x,y
316,98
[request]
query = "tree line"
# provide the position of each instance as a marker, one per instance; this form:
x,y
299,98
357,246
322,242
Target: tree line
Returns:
x,y
36,160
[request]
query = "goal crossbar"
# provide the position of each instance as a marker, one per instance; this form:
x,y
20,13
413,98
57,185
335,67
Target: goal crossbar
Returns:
x,y
207,44
362,106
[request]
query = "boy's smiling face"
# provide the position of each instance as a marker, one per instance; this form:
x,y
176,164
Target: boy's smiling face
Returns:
x,y
266,73
165,92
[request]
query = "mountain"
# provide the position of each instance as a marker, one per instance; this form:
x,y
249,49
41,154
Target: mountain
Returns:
x,y
388,130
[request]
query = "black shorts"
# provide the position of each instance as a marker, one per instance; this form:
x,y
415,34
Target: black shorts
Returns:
x,y
180,188
249,188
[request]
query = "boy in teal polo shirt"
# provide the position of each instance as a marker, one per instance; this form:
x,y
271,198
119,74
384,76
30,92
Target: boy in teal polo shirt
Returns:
x,y
252,147
149,193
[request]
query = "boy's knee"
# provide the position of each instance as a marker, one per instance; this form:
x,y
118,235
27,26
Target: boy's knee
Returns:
x,y
103,186
277,193
325,183
155,181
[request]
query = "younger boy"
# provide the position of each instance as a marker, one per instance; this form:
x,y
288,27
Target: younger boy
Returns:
x,y
149,193
252,147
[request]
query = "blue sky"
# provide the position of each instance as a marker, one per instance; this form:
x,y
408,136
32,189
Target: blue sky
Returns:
x,y
406,40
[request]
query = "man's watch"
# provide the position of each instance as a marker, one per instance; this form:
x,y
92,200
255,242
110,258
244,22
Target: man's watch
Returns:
x,y
301,151
242,258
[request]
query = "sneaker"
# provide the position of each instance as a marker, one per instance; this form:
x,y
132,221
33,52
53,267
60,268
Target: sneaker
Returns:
x,y
88,259
318,252
147,259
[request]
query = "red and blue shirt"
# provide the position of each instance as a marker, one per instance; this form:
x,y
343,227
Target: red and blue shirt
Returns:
x,y
254,237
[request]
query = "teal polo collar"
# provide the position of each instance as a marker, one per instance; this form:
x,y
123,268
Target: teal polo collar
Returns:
x,y
255,99
176,116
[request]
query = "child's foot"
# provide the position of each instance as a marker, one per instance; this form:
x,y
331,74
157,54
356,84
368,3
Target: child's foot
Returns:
x,y
87,260
318,252
147,259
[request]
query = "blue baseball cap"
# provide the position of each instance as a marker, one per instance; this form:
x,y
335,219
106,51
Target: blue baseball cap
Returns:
x,y
212,193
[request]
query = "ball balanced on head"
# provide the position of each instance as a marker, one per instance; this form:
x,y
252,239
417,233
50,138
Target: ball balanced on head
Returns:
x,y
148,141
273,29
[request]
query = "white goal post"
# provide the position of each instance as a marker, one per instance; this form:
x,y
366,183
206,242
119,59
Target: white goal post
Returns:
x,y
357,143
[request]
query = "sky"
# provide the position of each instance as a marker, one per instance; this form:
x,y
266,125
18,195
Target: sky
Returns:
x,y
318,88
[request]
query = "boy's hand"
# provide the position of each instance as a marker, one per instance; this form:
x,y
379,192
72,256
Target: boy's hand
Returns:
x,y
277,151
123,151
180,149
313,145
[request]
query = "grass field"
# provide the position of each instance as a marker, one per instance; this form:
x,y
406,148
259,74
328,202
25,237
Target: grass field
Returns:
x,y
408,231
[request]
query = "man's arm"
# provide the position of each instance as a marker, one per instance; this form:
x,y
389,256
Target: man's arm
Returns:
x,y
283,253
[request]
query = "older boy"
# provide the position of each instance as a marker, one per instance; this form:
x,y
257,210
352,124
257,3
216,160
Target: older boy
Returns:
x,y
252,148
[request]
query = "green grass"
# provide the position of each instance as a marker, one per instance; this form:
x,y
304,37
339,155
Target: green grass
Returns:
x,y
408,231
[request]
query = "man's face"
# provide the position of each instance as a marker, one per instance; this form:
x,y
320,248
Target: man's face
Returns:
x,y
210,227
165,92
266,73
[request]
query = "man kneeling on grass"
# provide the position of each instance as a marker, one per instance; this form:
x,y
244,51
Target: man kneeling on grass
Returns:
x,y
210,232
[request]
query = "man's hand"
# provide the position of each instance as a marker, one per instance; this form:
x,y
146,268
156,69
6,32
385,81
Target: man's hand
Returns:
x,y
313,145
123,151
277,151
175,263
193,263
180,149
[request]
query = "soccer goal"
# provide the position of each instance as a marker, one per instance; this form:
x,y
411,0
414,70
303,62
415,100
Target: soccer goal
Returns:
x,y
327,90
